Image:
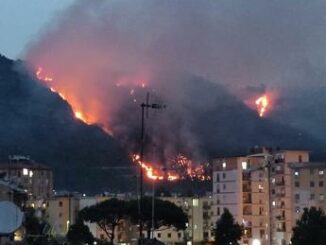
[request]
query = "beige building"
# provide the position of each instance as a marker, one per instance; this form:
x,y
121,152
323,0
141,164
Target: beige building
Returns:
x,y
200,225
240,184
35,178
266,192
309,187
62,211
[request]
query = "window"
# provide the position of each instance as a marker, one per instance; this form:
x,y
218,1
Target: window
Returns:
x,y
312,184
300,158
169,235
321,183
60,215
159,235
244,165
297,184
218,211
179,234
312,171
312,196
224,175
224,186
297,197
321,172
60,204
224,165
25,171
321,197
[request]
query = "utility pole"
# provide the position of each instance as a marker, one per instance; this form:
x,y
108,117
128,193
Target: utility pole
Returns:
x,y
144,106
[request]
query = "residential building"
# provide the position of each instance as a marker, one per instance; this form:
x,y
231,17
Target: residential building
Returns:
x,y
240,184
261,190
35,178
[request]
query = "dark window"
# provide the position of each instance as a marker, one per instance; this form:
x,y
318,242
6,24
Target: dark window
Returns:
x,y
321,183
297,184
312,184
159,235
224,175
60,204
300,158
169,235
179,234
218,211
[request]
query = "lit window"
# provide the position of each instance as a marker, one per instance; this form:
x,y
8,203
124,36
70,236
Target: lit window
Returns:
x,y
274,203
25,171
224,165
31,173
195,202
244,165
321,172
321,197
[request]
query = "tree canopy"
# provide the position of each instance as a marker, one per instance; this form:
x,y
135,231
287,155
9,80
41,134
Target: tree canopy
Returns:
x,y
79,234
310,228
227,231
165,214
107,215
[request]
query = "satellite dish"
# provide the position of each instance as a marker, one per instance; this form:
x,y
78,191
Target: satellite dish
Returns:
x,y
11,217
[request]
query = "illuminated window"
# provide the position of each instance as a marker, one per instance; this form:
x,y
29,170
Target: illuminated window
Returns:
x,y
31,173
321,172
244,165
321,197
224,165
195,202
25,171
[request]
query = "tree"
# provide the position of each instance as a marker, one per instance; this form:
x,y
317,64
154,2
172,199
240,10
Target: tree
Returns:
x,y
165,214
227,231
311,228
37,230
79,234
107,215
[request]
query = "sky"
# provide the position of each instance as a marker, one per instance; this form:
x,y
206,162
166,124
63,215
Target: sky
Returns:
x,y
22,20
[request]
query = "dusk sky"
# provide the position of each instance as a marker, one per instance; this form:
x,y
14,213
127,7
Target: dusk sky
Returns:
x,y
22,20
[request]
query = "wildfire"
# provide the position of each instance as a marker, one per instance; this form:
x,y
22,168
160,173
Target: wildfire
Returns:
x,y
77,113
181,168
262,105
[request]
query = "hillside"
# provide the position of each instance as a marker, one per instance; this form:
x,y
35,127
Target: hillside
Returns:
x,y
206,119
37,122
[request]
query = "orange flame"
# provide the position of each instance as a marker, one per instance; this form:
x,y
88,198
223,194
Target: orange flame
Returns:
x,y
173,174
262,105
77,113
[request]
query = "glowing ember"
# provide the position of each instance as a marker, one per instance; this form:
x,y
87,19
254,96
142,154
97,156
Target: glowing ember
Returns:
x,y
262,105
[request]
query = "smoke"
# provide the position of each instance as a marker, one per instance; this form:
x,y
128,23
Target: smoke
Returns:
x,y
102,52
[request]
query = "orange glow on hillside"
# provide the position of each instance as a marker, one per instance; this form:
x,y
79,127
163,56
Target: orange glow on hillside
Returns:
x,y
69,99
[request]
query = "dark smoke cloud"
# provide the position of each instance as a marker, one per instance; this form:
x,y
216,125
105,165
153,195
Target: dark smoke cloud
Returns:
x,y
95,45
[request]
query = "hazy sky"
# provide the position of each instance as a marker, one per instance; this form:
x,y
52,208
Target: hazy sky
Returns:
x,y
21,21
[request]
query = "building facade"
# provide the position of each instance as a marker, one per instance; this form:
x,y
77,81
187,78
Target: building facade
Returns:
x,y
35,178
266,192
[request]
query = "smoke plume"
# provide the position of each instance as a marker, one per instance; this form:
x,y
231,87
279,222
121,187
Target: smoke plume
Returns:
x,y
105,55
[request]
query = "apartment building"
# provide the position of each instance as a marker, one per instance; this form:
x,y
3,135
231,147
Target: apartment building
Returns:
x,y
200,225
240,184
35,178
263,191
309,187
63,208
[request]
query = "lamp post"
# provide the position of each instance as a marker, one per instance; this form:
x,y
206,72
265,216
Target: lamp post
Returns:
x,y
144,106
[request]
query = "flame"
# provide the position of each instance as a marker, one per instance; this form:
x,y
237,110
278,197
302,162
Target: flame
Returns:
x,y
77,113
181,168
262,105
